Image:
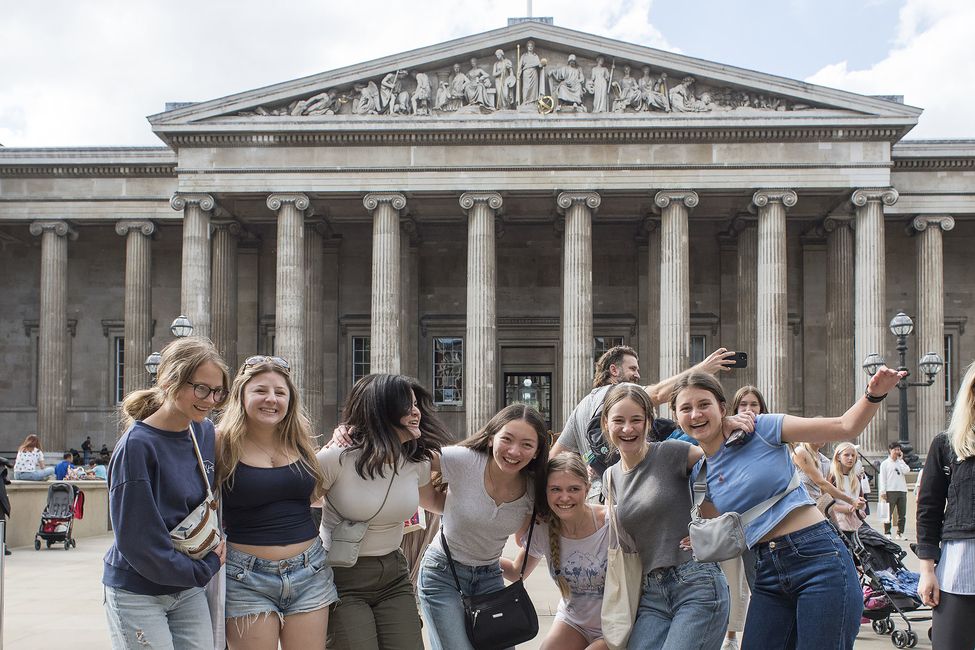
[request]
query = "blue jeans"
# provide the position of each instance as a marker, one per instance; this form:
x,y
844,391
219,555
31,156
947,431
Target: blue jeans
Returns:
x,y
34,474
682,607
179,621
443,610
806,594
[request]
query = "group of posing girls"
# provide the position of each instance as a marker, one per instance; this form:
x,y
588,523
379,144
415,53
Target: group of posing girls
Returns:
x,y
280,588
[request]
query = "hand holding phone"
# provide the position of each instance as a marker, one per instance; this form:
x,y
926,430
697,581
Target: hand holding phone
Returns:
x,y
740,360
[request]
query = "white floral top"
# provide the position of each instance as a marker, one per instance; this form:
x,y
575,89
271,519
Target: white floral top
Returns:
x,y
28,461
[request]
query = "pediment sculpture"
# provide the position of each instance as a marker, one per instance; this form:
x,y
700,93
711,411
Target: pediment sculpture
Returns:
x,y
529,83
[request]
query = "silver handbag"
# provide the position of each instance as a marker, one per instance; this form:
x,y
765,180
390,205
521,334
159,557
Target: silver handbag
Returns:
x,y
723,537
199,532
347,536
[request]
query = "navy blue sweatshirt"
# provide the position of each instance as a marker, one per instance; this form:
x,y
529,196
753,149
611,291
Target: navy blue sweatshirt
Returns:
x,y
154,483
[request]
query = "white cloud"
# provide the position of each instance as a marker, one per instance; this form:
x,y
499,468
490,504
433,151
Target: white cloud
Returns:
x,y
930,64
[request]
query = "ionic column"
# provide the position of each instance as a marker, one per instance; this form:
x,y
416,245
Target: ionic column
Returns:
x,y
871,333
480,367
675,291
314,315
577,368
385,310
772,313
843,369
195,284
223,330
930,324
289,288
746,307
138,300
53,382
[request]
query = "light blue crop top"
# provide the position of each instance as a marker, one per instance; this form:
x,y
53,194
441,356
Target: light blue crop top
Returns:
x,y
742,477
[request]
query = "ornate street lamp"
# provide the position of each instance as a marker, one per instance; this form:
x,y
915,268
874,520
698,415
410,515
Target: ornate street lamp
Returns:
x,y
181,327
930,365
152,365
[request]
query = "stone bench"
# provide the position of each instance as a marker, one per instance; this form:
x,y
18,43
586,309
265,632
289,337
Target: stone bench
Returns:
x,y
27,501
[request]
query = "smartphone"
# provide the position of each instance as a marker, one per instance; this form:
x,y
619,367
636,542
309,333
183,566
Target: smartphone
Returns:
x,y
737,438
740,360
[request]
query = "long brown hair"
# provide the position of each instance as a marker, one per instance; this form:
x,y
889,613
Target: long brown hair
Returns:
x,y
573,464
740,395
294,431
481,441
611,357
30,442
178,362
700,380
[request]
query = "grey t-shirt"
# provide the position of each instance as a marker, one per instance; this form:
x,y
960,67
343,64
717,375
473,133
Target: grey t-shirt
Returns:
x,y
574,433
654,503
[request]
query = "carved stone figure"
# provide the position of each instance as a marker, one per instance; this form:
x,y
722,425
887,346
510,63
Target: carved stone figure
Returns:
x,y
682,97
627,92
442,100
320,104
529,69
478,82
392,97
420,99
367,103
598,87
653,92
570,84
504,80
458,85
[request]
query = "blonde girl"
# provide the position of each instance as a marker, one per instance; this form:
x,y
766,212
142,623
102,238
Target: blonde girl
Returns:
x,y
844,477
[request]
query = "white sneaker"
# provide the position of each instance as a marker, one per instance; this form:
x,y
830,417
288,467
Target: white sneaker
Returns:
x,y
888,536
730,644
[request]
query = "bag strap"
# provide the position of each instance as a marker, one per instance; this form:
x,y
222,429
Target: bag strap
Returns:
x,y
701,487
614,524
385,498
450,559
528,545
199,460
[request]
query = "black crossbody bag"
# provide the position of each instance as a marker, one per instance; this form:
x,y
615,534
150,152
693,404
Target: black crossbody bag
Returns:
x,y
500,619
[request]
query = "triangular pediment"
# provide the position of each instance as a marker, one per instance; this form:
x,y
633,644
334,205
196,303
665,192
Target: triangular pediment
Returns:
x,y
568,73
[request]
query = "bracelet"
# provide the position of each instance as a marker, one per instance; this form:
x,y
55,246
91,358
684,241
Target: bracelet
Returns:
x,y
873,399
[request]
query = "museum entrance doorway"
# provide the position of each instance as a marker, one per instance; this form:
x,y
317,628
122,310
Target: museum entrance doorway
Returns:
x,y
533,389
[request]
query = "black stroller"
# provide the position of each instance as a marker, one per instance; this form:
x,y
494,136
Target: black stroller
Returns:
x,y
64,503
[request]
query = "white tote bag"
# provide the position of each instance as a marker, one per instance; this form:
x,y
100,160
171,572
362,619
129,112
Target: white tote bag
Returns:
x,y
883,512
624,580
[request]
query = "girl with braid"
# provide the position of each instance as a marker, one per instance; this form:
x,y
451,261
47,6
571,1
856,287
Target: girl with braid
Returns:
x,y
573,536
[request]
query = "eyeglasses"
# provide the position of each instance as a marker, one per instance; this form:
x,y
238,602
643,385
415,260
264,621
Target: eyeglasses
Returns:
x,y
258,359
202,391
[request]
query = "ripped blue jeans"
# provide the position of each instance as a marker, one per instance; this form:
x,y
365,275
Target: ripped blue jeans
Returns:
x,y
138,621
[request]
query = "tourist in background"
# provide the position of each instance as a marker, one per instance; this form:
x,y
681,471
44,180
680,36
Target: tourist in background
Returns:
x,y
892,488
29,465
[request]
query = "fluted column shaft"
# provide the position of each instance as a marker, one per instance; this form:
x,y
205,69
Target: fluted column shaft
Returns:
x,y
289,289
772,315
480,367
650,358
53,383
138,301
224,298
747,302
871,333
930,324
675,291
385,326
842,368
314,315
195,283
577,368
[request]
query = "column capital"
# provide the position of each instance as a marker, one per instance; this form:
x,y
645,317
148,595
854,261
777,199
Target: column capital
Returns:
x,y
408,226
762,198
275,201
834,222
648,225
886,195
181,199
664,198
124,226
469,199
230,225
921,222
58,227
372,200
566,200
319,225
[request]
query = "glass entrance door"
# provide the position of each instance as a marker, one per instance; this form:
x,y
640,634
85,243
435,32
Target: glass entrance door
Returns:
x,y
535,390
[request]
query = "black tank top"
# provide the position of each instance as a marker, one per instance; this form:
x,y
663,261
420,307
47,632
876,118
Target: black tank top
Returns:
x,y
269,506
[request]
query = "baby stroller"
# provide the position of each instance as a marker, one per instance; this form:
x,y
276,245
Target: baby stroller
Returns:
x,y
889,588
65,502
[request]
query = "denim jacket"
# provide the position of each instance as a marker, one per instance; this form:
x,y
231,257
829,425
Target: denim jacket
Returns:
x,y
946,499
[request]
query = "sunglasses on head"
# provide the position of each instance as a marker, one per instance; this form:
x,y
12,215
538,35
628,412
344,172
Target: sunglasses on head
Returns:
x,y
258,359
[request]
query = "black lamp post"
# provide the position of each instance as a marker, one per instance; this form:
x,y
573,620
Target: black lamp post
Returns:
x,y
930,364
181,327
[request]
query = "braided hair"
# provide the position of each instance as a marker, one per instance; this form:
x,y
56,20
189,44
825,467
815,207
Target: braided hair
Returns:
x,y
573,464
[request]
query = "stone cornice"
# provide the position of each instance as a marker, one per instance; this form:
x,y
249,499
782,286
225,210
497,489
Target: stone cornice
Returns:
x,y
469,199
932,164
59,228
886,195
664,198
123,227
300,201
762,198
566,200
372,200
181,199
922,221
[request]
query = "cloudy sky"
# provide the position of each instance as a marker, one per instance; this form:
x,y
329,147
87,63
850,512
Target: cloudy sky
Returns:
x,y
87,73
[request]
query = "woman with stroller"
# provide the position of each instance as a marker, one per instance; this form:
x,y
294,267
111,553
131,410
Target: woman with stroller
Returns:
x,y
946,526
806,589
279,585
29,465
154,593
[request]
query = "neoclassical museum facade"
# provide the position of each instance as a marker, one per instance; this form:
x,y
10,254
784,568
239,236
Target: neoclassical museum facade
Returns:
x,y
488,214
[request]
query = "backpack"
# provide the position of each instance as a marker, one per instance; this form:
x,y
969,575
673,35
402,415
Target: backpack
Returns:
x,y
599,456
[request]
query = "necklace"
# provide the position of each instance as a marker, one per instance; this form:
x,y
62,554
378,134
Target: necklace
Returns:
x,y
272,458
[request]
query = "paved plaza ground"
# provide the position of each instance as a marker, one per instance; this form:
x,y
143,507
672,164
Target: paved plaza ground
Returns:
x,y
54,595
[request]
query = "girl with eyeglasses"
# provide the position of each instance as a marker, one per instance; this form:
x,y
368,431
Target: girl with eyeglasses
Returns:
x,y
154,594
279,584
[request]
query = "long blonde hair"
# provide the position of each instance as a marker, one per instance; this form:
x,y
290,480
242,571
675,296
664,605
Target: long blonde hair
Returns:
x,y
179,361
848,482
573,464
961,429
29,443
294,430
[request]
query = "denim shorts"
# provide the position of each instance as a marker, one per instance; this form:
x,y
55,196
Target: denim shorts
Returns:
x,y
303,583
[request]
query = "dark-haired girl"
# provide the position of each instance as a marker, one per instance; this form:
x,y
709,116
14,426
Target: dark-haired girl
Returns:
x,y
380,478
489,497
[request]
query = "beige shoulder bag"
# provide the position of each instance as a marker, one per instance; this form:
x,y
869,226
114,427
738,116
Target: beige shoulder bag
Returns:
x,y
199,532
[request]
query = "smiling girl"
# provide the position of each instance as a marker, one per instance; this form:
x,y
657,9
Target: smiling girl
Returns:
x,y
489,497
279,585
806,590
844,477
